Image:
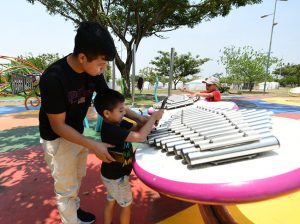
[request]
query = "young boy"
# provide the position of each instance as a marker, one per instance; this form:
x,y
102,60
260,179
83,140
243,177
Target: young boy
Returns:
x,y
116,131
212,94
66,89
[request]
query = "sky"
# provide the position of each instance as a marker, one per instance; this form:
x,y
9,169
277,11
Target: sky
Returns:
x,y
27,28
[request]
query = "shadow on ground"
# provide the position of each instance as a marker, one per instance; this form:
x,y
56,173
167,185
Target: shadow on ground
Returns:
x,y
19,138
27,190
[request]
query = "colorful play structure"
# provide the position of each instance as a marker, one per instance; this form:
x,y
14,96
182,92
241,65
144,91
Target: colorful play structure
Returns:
x,y
20,77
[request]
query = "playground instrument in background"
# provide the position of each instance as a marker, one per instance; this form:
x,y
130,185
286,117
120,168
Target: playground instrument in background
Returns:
x,y
21,78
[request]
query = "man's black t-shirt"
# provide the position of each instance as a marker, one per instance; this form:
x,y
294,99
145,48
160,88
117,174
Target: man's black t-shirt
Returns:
x,y
116,135
64,90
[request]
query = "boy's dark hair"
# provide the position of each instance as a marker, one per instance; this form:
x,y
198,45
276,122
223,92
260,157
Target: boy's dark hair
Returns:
x,y
94,40
107,100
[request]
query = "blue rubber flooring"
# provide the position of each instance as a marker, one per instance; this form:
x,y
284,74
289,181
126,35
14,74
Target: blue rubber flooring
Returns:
x,y
15,109
260,104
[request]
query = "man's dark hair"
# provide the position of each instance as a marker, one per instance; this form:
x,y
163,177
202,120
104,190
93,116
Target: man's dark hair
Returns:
x,y
107,100
94,40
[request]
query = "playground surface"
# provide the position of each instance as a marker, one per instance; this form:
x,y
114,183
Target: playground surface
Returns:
x,y
26,186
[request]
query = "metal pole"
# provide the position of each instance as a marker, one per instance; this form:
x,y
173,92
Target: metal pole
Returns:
x,y
270,45
133,74
171,71
113,75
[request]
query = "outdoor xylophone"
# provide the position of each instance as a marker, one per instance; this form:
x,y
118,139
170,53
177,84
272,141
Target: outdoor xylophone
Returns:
x,y
176,101
201,134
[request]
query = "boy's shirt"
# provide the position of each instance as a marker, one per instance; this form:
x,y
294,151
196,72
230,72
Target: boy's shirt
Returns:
x,y
215,98
116,135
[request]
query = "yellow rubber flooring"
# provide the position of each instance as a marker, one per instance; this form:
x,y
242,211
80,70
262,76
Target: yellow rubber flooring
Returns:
x,y
280,210
190,215
292,101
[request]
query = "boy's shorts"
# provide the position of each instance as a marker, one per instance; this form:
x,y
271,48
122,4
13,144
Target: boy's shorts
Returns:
x,y
119,190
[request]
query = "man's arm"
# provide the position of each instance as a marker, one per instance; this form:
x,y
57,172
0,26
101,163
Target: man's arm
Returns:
x,y
58,125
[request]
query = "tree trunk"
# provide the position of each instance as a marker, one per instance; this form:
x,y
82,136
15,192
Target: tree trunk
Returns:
x,y
251,85
124,69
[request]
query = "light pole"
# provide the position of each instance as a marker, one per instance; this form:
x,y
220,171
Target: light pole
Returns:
x,y
270,44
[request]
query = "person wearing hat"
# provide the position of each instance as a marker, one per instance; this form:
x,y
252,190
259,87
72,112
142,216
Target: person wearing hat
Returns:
x,y
211,94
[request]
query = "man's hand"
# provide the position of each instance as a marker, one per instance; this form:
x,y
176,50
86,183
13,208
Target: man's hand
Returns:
x,y
102,153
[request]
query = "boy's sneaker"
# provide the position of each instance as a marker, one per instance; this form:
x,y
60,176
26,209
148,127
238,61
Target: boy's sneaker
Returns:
x,y
85,217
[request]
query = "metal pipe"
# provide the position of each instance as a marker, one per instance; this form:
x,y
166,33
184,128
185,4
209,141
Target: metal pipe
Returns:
x,y
236,118
263,145
228,143
178,148
177,105
193,117
206,122
157,141
188,133
170,145
154,135
171,71
163,143
187,151
222,127
220,130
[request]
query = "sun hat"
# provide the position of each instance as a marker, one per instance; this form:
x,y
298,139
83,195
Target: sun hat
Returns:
x,y
212,80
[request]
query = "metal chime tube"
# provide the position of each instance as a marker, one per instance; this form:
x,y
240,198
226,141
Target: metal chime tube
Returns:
x,y
231,142
265,144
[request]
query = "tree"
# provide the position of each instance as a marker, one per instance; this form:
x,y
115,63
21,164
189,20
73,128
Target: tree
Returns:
x,y
108,73
41,61
132,20
246,65
150,75
290,74
184,65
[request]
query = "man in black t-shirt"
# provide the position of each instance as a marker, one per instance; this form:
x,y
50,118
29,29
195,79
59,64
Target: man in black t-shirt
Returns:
x,y
120,133
66,89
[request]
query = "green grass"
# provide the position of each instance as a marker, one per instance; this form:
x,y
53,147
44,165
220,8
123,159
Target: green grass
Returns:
x,y
142,100
159,91
11,98
281,92
146,98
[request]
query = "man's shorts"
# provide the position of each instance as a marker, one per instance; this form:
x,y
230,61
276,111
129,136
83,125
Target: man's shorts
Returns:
x,y
119,190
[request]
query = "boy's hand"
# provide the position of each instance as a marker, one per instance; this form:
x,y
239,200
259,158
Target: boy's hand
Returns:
x,y
143,120
158,114
102,153
182,89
